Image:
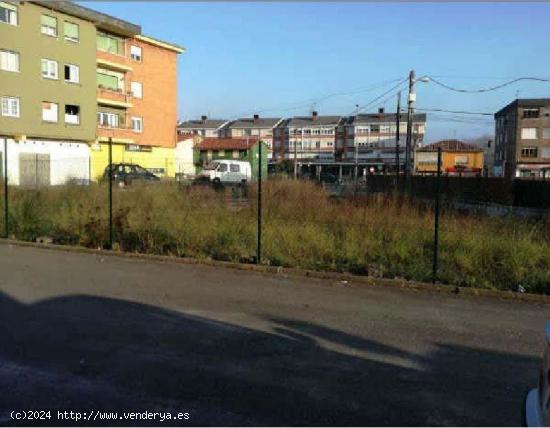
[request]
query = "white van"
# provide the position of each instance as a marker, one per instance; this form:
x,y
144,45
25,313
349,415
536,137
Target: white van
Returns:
x,y
229,171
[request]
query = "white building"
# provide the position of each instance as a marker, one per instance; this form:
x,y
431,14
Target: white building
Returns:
x,y
46,162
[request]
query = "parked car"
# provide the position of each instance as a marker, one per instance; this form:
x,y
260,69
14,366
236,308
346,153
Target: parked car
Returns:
x,y
537,401
227,171
126,173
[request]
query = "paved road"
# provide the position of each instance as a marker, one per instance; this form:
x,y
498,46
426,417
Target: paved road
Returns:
x,y
85,332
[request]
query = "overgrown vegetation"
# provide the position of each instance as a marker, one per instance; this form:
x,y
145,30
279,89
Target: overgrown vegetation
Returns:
x,y
303,227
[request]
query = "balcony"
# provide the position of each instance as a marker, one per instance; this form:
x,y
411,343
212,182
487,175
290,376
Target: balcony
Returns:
x,y
114,98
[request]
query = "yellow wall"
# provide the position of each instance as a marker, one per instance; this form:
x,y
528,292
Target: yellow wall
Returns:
x,y
448,160
159,157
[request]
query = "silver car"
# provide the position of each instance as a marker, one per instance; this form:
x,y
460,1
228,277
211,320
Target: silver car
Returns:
x,y
537,402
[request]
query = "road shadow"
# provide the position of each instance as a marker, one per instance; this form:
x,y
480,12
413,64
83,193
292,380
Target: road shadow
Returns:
x,y
91,353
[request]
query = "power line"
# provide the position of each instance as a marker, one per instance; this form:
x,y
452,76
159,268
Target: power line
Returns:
x,y
364,106
493,88
317,100
455,111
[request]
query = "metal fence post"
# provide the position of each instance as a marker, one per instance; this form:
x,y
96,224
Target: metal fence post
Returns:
x,y
436,214
259,226
110,193
5,188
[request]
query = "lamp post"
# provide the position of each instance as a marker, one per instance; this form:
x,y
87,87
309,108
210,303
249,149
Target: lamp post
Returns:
x,y
410,112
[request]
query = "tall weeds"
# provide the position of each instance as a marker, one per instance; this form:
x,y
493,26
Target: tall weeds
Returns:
x,y
302,227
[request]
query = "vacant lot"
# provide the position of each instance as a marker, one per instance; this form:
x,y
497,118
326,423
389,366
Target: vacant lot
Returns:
x,y
302,227
87,332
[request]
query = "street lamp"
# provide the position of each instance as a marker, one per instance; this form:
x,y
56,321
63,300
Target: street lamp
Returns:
x,y
410,113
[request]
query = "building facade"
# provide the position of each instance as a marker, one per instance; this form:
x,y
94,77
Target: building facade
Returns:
x,y
262,128
522,139
370,139
71,79
311,138
47,91
457,158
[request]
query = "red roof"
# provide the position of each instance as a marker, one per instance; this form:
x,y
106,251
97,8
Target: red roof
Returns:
x,y
450,146
226,143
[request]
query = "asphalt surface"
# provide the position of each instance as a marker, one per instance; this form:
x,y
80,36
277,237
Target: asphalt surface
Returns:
x,y
94,333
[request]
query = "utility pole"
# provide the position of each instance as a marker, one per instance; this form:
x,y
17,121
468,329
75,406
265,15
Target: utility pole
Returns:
x,y
259,226
397,133
410,112
295,159
110,193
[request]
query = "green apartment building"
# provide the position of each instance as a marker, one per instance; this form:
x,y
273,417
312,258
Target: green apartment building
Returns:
x,y
49,88
47,92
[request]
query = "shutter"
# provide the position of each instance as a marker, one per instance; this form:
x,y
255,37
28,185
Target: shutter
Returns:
x,y
102,42
49,21
71,30
107,81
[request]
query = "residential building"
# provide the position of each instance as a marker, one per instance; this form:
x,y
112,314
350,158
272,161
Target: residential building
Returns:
x,y
72,79
371,139
210,149
262,128
457,158
203,127
307,138
136,99
522,139
47,92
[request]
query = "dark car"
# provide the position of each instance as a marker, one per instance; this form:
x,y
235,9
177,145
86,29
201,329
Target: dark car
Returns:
x,y
125,173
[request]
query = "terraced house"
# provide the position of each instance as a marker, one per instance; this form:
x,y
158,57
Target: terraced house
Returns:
x,y
71,79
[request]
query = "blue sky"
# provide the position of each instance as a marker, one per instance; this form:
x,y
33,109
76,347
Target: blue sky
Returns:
x,y
277,58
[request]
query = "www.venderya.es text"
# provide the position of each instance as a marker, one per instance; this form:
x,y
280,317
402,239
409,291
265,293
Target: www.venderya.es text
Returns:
x,y
96,415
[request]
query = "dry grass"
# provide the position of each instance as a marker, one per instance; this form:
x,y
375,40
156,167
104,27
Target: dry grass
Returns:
x,y
302,227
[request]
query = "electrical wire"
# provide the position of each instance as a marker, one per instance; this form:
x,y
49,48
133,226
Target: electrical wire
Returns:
x,y
317,100
493,88
454,111
364,106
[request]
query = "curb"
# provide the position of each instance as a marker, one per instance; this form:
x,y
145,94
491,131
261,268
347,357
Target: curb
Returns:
x,y
352,280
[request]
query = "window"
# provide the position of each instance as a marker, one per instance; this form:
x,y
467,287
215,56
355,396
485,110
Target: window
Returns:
x,y
9,61
49,69
528,133
137,124
48,25
530,112
135,53
49,111
222,167
110,79
72,114
10,106
235,154
72,73
8,13
71,32
137,89
234,167
111,44
529,152
545,152
111,120
546,133
374,128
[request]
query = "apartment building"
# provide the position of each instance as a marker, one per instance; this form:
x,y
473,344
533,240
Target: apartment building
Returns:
x,y
311,137
71,79
204,127
371,139
255,126
522,139
47,92
136,99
